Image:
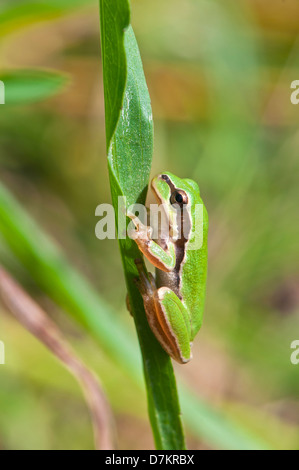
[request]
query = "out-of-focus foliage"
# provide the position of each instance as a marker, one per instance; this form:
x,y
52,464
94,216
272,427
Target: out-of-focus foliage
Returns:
x,y
219,75
31,86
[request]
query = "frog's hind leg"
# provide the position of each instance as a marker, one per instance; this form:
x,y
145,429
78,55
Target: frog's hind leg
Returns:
x,y
174,319
166,315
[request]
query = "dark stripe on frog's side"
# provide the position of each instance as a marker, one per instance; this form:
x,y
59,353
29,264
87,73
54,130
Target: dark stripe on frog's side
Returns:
x,y
173,279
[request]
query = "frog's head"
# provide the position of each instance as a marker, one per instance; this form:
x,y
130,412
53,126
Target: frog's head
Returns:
x,y
176,194
171,190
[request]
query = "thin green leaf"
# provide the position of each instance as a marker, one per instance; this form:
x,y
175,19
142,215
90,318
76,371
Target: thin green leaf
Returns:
x,y
17,13
23,87
115,18
129,128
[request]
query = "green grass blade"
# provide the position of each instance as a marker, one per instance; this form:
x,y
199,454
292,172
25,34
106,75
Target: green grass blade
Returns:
x,y
30,86
129,130
113,58
17,13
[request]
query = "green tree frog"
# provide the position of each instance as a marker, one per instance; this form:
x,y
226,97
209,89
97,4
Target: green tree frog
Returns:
x,y
174,299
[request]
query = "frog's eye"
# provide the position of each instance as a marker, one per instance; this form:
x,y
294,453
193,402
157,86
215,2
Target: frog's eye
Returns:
x,y
179,197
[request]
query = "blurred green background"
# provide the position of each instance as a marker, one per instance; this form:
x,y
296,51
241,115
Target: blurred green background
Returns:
x,y
219,75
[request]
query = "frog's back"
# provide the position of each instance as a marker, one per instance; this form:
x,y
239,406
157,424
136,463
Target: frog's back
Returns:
x,y
194,269
188,280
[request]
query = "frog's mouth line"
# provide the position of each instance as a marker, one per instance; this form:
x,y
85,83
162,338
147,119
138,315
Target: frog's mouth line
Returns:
x,y
167,181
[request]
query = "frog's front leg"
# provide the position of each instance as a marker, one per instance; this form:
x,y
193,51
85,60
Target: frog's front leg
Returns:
x,y
167,317
164,259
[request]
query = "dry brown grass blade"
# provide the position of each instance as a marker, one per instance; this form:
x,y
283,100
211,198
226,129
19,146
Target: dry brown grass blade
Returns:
x,y
35,320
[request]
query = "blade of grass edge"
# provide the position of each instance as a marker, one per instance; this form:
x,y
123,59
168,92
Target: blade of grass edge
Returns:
x,y
30,86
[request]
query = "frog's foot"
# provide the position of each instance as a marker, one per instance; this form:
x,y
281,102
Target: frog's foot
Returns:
x,y
142,233
166,315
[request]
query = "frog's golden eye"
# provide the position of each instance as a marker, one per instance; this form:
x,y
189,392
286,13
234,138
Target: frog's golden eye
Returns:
x,y
179,197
